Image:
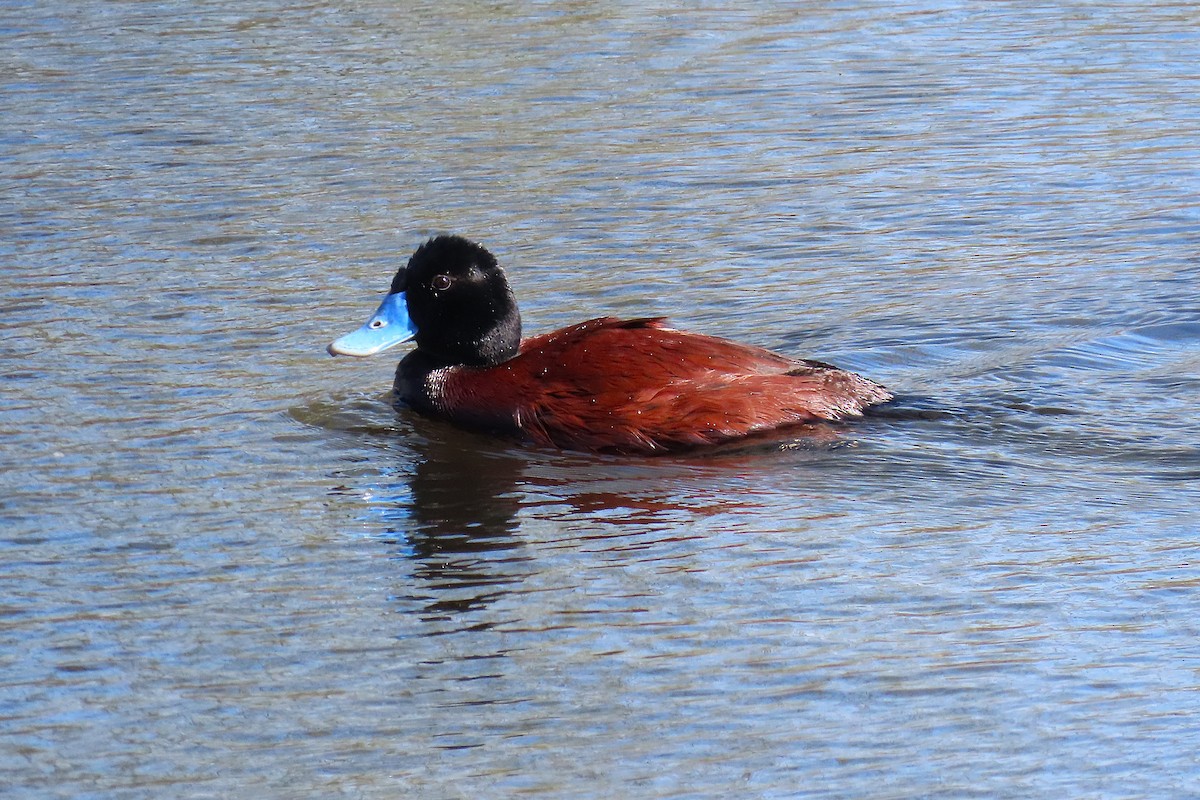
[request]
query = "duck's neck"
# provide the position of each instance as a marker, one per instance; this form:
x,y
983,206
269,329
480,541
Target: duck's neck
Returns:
x,y
419,374
416,383
484,346
498,344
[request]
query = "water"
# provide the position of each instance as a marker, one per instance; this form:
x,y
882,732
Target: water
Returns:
x,y
231,570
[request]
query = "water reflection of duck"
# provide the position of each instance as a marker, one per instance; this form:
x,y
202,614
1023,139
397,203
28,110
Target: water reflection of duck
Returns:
x,y
624,386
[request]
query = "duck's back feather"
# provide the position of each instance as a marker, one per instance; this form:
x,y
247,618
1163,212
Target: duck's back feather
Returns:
x,y
641,386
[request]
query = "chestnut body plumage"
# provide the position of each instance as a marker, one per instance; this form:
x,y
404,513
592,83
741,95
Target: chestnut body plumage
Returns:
x,y
626,386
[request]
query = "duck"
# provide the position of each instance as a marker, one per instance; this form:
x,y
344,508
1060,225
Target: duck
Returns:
x,y
606,385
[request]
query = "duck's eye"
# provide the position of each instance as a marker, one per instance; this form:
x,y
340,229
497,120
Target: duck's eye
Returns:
x,y
440,283
377,323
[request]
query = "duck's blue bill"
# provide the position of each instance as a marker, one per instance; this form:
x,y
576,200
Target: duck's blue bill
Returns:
x,y
388,326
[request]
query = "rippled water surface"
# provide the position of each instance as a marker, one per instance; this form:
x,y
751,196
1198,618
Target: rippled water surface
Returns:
x,y
232,570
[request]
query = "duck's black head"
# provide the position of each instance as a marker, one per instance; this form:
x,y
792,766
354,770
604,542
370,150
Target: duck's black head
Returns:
x,y
453,299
